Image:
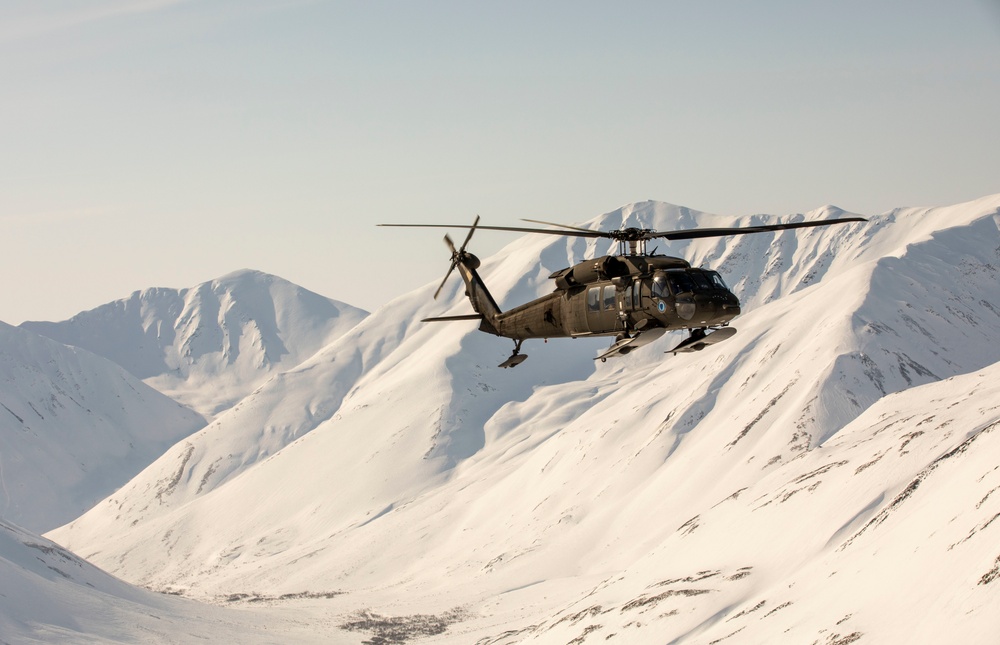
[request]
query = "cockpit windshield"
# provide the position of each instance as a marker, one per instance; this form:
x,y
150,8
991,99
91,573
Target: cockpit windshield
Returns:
x,y
680,282
701,283
717,280
685,281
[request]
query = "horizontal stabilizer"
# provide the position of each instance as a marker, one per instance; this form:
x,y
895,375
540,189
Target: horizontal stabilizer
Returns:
x,y
454,318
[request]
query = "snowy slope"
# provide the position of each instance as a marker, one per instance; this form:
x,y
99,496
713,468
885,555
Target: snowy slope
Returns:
x,y
48,595
210,345
422,479
884,533
73,428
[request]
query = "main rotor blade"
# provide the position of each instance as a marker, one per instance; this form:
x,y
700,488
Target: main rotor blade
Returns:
x,y
635,234
515,229
565,226
696,233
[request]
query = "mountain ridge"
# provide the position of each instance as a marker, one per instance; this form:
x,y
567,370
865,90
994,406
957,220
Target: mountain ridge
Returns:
x,y
209,345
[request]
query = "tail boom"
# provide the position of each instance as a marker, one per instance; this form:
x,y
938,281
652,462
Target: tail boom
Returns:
x,y
480,297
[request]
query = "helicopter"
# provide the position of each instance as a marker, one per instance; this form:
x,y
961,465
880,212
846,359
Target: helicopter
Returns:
x,y
633,296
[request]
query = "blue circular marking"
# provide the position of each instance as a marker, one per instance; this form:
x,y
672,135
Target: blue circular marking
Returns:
x,y
661,306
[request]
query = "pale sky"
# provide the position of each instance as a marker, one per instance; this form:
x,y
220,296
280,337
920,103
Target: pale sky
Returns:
x,y
168,142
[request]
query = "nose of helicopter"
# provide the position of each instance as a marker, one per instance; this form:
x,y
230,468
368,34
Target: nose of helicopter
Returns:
x,y
716,308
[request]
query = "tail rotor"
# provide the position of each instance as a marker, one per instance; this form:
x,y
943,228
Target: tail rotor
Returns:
x,y
456,255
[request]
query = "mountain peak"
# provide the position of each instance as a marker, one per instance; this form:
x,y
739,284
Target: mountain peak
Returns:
x,y
234,331
828,211
248,275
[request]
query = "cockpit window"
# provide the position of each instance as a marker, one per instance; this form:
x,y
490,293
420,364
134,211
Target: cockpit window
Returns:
x,y
700,281
680,282
685,281
659,286
717,280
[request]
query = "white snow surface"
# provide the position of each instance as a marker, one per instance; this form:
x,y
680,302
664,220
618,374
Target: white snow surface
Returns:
x,y
828,475
73,428
210,345
49,595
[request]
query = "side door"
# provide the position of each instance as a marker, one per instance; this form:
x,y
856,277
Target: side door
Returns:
x,y
602,308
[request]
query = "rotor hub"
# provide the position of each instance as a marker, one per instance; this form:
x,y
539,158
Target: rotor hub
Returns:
x,y
632,234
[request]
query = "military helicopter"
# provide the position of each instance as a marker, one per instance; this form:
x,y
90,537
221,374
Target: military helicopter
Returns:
x,y
634,296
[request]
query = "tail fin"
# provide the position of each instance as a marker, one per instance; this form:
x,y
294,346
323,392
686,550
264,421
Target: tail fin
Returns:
x,y
480,297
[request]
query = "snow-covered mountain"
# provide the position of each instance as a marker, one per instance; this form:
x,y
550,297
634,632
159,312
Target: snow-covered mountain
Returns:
x,y
49,595
826,475
73,428
210,345
883,534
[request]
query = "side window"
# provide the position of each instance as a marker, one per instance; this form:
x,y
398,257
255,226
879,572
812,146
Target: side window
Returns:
x,y
609,297
635,295
660,287
594,299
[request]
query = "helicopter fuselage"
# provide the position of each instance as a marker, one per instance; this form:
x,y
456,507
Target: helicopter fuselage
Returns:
x,y
619,296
